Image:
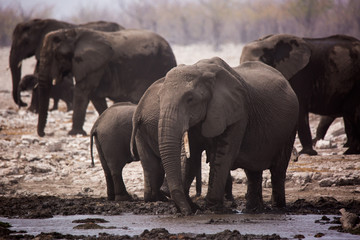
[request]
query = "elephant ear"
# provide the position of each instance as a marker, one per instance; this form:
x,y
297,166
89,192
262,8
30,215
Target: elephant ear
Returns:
x,y
92,51
226,105
286,53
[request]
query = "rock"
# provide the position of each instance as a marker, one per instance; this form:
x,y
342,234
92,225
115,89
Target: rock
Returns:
x,y
327,182
54,147
348,220
325,144
29,139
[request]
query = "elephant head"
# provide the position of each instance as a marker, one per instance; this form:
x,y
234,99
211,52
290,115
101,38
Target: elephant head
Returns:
x,y
77,51
288,54
27,39
208,93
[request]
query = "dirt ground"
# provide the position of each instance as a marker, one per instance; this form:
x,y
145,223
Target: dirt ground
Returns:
x,y
43,177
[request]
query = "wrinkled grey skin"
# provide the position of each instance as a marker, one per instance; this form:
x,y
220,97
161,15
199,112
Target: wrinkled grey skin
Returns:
x,y
325,75
27,40
145,146
64,91
112,133
118,65
247,113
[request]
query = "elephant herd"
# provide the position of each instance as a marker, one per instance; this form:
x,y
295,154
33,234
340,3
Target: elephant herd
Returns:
x,y
165,115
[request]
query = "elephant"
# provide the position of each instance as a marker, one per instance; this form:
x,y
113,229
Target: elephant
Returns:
x,y
325,75
116,65
27,40
144,146
112,133
235,113
63,91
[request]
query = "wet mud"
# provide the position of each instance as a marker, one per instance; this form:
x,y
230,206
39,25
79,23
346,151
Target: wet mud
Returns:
x,y
45,207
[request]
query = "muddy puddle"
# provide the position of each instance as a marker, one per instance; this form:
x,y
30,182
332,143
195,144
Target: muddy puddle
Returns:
x,y
286,226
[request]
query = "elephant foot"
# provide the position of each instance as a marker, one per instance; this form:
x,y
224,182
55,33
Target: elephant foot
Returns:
x,y
308,151
111,197
77,131
124,197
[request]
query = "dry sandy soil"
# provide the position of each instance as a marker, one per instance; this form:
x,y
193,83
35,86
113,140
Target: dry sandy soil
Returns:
x,y
57,166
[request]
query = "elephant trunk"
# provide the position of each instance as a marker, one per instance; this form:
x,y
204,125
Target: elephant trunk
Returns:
x,y
15,67
44,91
170,139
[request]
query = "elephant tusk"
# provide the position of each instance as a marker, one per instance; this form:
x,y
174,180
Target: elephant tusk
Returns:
x,y
186,144
19,64
54,82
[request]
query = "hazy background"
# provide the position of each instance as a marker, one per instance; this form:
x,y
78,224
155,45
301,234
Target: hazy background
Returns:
x,y
185,22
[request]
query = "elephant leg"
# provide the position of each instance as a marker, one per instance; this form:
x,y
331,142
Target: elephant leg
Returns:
x,y
226,147
119,187
153,172
348,131
191,170
34,104
56,104
324,124
352,123
68,106
228,188
278,172
254,200
198,185
107,172
81,102
304,133
99,104
353,133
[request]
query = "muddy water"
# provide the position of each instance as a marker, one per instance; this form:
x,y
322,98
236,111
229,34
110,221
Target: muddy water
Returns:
x,y
287,226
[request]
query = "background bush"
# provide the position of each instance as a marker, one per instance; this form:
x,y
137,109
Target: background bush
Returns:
x,y
209,21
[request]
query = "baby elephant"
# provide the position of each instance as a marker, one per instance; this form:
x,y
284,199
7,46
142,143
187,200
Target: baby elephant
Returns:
x,y
112,132
63,90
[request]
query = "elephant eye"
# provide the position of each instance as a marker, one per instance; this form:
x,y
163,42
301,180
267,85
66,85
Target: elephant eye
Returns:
x,y
190,99
56,39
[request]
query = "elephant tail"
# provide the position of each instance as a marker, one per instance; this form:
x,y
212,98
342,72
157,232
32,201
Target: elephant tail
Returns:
x,y
133,148
92,134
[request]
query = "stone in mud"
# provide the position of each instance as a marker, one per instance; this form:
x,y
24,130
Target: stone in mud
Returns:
x,y
349,221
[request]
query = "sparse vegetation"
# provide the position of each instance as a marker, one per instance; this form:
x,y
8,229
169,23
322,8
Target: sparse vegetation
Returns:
x,y
210,21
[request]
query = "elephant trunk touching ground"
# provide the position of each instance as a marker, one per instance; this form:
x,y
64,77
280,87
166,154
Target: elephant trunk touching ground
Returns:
x,y
174,123
44,91
170,139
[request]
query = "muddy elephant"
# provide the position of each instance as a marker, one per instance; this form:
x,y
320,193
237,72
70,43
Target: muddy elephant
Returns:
x,y
324,73
116,65
27,40
145,147
237,113
63,90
